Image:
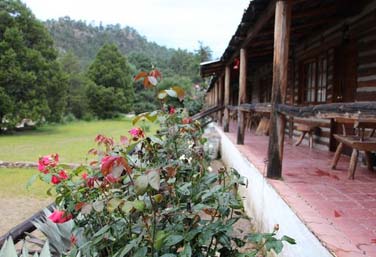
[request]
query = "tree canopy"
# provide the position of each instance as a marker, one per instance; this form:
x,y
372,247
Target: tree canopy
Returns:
x,y
32,84
111,73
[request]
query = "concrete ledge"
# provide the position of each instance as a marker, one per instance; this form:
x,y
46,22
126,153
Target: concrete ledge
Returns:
x,y
266,206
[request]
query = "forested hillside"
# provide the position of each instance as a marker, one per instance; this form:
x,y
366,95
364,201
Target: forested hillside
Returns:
x,y
78,41
85,40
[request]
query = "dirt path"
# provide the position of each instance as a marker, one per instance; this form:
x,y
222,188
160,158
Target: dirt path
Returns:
x,y
15,210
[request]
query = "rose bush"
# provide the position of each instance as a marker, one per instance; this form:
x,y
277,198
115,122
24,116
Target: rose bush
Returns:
x,y
153,195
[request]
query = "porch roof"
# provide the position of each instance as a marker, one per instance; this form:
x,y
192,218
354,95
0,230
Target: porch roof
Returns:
x,y
256,28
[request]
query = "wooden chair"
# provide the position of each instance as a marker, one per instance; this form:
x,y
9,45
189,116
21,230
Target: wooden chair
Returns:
x,y
305,126
362,141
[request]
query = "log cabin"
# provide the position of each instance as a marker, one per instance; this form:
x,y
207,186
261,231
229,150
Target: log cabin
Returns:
x,y
303,65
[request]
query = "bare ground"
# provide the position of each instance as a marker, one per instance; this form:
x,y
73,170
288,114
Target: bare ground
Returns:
x,y
13,211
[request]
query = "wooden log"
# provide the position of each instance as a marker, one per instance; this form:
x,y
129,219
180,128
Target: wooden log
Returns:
x,y
207,112
280,71
355,110
227,99
242,94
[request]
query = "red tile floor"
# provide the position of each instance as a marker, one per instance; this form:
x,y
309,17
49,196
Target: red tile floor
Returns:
x,y
339,211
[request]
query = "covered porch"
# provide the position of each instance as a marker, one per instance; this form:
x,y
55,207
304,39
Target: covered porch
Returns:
x,y
304,66
340,212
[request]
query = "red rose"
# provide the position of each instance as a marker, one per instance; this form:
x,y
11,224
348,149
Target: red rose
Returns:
x,y
108,162
55,180
186,120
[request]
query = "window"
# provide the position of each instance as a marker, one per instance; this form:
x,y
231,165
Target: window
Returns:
x,y
315,72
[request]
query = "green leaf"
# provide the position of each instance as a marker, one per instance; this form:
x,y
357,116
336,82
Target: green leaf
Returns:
x,y
154,179
49,191
102,231
225,241
45,250
288,239
274,244
141,184
168,255
152,116
141,252
132,244
187,252
113,204
193,233
185,189
47,178
127,207
159,238
8,249
98,206
173,240
31,181
139,205
255,238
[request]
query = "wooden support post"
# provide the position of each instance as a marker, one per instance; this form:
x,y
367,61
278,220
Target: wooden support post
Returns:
x,y
220,100
280,71
242,94
227,99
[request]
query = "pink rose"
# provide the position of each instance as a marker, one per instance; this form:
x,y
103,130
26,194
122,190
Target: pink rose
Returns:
x,y
47,161
137,133
171,110
60,216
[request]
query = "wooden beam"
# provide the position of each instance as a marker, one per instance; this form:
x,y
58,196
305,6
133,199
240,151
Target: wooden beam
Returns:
x,y
227,99
242,94
365,111
321,10
280,71
220,86
254,30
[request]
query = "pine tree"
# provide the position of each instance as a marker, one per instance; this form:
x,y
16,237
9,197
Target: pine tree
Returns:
x,y
111,71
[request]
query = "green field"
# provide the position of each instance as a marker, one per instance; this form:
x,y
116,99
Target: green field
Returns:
x,y
13,184
71,141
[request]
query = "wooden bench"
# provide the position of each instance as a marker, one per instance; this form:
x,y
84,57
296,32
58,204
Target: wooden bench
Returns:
x,y
305,126
363,140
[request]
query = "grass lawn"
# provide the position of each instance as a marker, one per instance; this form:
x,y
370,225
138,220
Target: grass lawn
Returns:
x,y
13,184
71,141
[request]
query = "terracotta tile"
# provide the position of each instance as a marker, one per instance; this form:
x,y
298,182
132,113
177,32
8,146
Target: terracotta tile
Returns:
x,y
341,212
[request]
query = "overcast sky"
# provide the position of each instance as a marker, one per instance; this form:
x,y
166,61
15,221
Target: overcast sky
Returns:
x,y
173,23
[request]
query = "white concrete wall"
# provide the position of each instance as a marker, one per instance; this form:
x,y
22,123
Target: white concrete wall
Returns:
x,y
267,208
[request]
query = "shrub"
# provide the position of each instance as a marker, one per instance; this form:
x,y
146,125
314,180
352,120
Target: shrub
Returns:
x,y
153,195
